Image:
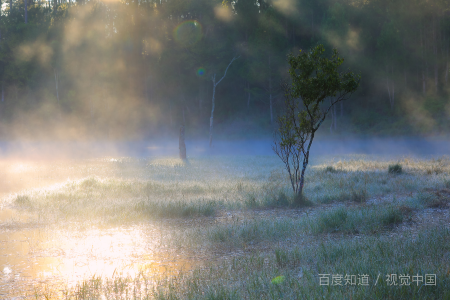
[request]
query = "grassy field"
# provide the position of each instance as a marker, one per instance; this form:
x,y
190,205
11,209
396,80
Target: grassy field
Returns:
x,y
376,228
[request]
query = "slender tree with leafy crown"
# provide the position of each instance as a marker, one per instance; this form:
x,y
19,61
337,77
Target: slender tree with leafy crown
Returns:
x,y
315,79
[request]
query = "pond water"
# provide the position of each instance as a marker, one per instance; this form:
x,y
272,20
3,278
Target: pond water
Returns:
x,y
31,254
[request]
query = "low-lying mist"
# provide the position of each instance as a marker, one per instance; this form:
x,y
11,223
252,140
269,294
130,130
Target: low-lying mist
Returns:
x,y
406,146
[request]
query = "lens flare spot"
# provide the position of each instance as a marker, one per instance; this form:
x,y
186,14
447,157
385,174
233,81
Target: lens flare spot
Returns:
x,y
188,33
201,72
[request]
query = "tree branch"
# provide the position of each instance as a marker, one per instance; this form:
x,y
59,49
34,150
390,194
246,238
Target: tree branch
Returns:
x,y
234,58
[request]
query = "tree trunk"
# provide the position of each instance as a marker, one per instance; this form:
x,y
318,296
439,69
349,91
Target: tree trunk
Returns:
x,y
389,90
393,89
3,100
248,98
299,197
211,120
271,109
446,64
422,45
56,82
146,89
436,77
435,55
270,93
182,144
424,85
200,92
184,118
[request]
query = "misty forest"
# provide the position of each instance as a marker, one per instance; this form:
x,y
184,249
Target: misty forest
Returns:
x,y
235,149
118,69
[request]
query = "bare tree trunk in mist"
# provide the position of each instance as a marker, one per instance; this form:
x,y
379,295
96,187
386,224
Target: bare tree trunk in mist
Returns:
x,y
424,85
211,120
446,69
391,96
146,89
435,55
3,100
270,93
271,109
200,98
342,109
10,5
436,77
56,82
26,11
184,106
393,87
182,144
248,97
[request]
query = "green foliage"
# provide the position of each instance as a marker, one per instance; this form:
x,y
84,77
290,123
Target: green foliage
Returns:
x,y
104,55
315,79
330,169
23,200
395,169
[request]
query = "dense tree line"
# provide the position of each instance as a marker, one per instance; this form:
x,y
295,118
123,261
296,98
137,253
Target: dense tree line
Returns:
x,y
134,68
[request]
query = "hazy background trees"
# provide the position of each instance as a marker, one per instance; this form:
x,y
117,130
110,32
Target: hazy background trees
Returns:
x,y
134,69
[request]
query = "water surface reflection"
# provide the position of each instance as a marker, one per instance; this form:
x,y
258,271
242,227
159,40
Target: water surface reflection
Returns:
x,y
32,254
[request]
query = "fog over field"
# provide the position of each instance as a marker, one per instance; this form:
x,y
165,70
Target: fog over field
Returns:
x,y
100,98
388,147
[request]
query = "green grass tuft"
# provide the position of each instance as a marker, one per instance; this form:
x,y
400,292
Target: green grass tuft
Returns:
x,y
395,169
330,169
365,220
23,201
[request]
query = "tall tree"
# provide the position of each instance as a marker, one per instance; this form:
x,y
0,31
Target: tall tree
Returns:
x,y
213,100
